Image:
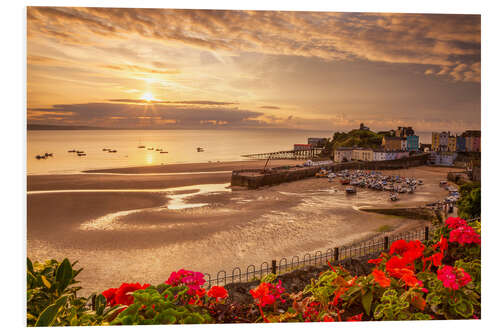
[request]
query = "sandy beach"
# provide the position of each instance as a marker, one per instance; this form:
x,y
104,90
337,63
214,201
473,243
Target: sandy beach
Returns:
x,y
139,224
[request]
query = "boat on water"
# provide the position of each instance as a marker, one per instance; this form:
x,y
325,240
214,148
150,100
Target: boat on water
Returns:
x,y
350,190
420,182
105,149
159,149
394,197
345,181
72,151
163,152
39,157
150,148
112,150
141,146
443,183
200,149
81,154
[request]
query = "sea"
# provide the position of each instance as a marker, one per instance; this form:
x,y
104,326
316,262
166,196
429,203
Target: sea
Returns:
x,y
181,145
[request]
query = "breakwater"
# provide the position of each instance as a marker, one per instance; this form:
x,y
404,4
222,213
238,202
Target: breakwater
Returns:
x,y
255,178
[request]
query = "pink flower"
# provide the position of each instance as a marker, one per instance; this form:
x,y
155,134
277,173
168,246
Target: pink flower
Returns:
x,y
465,235
453,278
192,280
455,222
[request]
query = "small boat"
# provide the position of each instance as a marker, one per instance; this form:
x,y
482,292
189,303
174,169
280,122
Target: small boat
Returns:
x,y
443,182
38,157
163,152
420,182
141,146
81,154
105,149
159,149
150,148
394,197
350,190
345,181
199,149
112,150
72,151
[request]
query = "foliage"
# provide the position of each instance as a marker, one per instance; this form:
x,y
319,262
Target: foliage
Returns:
x,y
150,307
52,297
356,137
469,204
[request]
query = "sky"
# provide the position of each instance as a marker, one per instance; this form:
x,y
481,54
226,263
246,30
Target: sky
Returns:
x,y
203,69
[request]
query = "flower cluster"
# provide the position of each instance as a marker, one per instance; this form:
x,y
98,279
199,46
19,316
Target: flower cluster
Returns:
x,y
401,263
122,295
267,293
453,278
217,292
461,232
192,280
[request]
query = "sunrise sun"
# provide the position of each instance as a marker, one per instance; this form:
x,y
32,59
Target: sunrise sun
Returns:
x,y
147,96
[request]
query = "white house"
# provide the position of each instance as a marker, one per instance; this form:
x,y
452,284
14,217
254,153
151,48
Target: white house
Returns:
x,y
342,154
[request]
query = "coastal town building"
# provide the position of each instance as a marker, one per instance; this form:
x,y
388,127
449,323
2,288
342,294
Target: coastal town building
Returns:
x,y
343,154
452,143
435,141
302,146
472,141
425,147
460,144
391,143
404,145
412,142
362,154
403,132
363,127
443,141
469,141
317,142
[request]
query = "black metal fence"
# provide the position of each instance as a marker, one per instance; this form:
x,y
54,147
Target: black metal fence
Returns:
x,y
285,265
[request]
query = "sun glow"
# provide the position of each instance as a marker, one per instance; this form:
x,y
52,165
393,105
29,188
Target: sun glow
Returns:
x,y
147,96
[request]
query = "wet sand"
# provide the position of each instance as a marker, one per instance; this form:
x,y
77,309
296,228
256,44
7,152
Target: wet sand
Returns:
x,y
163,176
142,236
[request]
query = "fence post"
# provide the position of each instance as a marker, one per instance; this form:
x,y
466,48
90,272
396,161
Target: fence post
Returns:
x,y
426,233
386,243
273,266
336,254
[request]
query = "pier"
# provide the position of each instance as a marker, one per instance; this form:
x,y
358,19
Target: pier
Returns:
x,y
287,154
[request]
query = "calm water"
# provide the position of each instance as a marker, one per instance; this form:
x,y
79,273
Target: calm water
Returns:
x,y
219,145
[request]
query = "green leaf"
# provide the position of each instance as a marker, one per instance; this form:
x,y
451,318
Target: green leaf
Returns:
x,y
100,304
64,274
46,282
49,315
366,301
30,267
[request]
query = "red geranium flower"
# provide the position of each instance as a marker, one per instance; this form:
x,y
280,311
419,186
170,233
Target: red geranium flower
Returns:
x,y
217,292
380,278
123,294
356,317
110,294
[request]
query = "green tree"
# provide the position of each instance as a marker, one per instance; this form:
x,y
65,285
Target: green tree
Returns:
x,y
469,205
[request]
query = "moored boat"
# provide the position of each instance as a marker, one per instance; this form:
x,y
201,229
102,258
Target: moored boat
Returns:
x,y
350,190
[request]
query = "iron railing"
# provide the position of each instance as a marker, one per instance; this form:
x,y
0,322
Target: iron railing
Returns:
x,y
370,247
